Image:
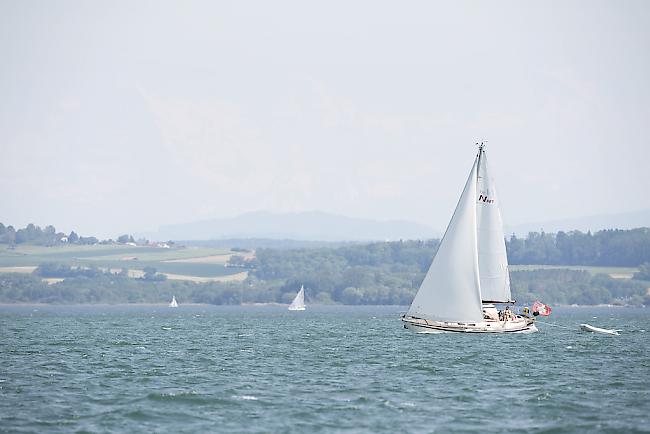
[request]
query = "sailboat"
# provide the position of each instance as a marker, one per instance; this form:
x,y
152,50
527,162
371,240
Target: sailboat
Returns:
x,y
469,273
173,303
298,302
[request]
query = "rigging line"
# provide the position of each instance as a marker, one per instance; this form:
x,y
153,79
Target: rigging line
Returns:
x,y
555,325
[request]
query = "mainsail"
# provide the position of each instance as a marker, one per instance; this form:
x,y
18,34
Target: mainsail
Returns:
x,y
492,259
451,289
298,302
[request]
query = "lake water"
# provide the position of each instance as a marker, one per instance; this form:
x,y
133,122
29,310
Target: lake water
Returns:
x,y
328,369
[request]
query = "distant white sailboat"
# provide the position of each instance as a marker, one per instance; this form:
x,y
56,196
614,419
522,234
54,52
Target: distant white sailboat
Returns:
x,y
173,302
298,302
469,272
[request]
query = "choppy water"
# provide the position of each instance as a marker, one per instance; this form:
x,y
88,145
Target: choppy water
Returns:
x,y
328,369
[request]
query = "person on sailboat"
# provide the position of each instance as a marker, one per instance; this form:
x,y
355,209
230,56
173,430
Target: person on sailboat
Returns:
x,y
507,314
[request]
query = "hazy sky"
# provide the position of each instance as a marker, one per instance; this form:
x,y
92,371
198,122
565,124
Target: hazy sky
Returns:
x,y
123,116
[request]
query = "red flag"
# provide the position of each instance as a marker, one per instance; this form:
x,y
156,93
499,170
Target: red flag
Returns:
x,y
541,308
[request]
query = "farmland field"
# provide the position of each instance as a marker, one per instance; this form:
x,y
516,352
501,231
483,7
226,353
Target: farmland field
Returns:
x,y
177,261
615,272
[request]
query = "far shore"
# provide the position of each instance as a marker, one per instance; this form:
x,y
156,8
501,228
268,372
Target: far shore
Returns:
x,y
166,305
103,304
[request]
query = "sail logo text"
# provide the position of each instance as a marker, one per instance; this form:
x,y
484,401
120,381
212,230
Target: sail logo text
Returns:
x,y
485,199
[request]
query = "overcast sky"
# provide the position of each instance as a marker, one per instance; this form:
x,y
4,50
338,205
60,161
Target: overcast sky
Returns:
x,y
124,116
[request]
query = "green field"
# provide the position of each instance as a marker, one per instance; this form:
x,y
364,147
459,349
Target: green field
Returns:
x,y
120,256
621,272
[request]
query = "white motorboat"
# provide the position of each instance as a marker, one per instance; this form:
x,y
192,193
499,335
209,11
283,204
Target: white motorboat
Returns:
x,y
590,328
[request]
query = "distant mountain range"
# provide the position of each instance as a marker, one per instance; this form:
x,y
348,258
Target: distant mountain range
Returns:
x,y
626,220
313,225
321,226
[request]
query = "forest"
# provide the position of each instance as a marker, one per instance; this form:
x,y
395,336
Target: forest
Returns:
x,y
613,247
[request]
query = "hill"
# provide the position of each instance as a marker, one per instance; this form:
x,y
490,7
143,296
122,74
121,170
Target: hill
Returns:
x,y
313,225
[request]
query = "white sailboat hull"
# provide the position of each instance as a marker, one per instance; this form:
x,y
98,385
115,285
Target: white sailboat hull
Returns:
x,y
297,308
519,325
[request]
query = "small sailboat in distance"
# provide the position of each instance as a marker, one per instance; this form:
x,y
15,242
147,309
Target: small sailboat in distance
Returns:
x,y
298,302
469,272
173,303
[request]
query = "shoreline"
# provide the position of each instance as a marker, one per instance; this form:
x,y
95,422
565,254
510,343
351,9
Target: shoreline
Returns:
x,y
272,304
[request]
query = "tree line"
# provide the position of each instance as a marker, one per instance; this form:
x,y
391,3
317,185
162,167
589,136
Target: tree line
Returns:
x,y
612,247
33,234
57,270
